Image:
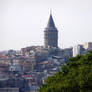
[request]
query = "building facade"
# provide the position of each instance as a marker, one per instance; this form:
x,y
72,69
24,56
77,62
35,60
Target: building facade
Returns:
x,y
50,34
78,50
87,45
9,89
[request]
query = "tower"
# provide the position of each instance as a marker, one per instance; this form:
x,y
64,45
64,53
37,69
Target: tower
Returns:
x,y
50,34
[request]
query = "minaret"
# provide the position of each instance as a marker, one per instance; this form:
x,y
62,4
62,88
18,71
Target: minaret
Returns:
x,y
50,34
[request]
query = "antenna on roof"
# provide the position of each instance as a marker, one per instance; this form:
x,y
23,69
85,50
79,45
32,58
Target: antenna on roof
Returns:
x,y
50,12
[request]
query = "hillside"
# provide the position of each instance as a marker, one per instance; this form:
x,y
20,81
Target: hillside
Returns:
x,y
76,76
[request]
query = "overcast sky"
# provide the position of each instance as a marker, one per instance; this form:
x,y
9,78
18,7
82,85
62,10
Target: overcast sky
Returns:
x,y
22,22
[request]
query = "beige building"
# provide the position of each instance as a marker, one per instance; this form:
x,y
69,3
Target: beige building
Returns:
x,y
87,45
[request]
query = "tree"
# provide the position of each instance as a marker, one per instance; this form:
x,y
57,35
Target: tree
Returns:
x,y
76,76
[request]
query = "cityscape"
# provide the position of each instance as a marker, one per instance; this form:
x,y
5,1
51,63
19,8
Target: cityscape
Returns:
x,y
27,69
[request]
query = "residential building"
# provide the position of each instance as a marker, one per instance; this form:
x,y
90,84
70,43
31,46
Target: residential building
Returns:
x,y
77,50
9,89
87,45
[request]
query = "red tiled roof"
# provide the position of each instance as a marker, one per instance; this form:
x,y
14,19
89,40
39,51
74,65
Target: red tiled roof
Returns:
x,y
44,62
3,56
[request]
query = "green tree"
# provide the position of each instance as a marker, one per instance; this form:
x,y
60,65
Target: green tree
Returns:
x,y
76,76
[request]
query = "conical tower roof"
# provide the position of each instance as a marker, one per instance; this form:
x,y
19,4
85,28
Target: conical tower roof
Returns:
x,y
50,22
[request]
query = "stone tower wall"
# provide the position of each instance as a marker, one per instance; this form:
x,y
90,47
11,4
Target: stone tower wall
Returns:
x,y
51,38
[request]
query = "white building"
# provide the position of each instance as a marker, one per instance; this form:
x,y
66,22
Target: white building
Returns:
x,y
77,50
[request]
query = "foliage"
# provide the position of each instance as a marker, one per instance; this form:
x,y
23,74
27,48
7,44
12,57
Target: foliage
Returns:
x,y
76,76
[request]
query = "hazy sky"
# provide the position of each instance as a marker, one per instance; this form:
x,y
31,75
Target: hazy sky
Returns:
x,y
22,22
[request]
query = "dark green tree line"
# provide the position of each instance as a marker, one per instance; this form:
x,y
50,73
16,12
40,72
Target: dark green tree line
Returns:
x,y
76,76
